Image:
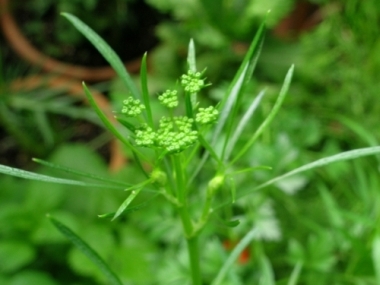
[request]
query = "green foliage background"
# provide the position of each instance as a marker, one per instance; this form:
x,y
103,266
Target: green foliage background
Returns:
x,y
324,223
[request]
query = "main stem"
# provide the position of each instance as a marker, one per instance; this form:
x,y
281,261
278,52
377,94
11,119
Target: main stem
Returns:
x,y
183,210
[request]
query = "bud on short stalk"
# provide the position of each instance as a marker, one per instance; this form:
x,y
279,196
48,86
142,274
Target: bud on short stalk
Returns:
x,y
214,185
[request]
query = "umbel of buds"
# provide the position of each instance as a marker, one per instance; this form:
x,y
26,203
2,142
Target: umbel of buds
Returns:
x,y
174,133
206,116
132,107
169,98
192,81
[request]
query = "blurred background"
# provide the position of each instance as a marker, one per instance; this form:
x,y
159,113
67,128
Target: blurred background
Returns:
x,y
325,223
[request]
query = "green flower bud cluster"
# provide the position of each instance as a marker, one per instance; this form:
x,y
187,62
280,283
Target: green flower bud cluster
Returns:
x,y
192,82
145,136
132,107
176,134
169,98
207,115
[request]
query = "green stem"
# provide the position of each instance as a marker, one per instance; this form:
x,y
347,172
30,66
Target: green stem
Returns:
x,y
193,250
187,224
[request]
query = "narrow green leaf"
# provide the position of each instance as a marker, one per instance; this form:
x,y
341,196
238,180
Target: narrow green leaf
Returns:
x,y
45,178
230,101
145,91
227,223
233,223
132,208
80,173
209,148
242,76
191,57
191,98
221,121
105,50
295,274
88,251
267,274
270,117
250,169
243,122
106,215
250,60
234,255
348,155
126,123
126,203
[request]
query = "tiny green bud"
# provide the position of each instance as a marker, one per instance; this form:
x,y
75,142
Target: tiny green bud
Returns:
x,y
159,177
176,134
215,184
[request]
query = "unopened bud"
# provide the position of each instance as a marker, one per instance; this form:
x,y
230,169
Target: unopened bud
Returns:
x,y
215,184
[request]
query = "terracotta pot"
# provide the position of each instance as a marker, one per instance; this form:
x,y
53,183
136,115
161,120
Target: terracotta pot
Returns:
x,y
304,17
74,88
26,50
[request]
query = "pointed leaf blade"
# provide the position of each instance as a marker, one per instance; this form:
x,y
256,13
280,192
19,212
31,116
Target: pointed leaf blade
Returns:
x,y
347,155
271,115
105,50
126,203
45,178
113,279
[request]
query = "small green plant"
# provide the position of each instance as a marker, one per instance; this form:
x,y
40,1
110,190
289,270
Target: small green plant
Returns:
x,y
191,156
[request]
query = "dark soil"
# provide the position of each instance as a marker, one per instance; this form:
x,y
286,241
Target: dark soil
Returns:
x,y
130,40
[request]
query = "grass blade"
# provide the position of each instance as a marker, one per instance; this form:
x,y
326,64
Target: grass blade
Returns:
x,y
106,51
234,255
270,117
80,173
243,122
45,178
88,251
